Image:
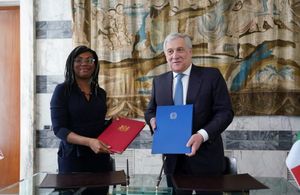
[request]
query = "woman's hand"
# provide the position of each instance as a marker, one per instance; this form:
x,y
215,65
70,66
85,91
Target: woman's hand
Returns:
x,y
99,147
96,145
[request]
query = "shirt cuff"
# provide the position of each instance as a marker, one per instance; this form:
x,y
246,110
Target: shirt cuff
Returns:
x,y
204,134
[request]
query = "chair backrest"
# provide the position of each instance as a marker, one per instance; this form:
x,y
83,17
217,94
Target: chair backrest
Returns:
x,y
230,166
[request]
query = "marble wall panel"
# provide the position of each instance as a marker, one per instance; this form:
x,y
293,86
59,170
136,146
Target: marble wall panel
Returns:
x,y
143,140
258,140
248,123
261,163
42,112
121,161
233,140
46,84
147,163
48,10
46,160
51,56
53,29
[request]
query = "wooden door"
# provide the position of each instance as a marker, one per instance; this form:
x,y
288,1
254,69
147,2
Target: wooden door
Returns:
x,y
9,94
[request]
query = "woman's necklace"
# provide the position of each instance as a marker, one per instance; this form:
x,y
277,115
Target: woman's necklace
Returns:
x,y
85,89
87,94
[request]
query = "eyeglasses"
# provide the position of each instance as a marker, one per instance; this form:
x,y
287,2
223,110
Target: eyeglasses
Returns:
x,y
84,60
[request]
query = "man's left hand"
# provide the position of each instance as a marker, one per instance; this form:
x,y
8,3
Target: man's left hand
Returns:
x,y
194,142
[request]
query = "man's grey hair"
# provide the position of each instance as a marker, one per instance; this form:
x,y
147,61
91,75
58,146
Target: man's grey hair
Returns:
x,y
172,36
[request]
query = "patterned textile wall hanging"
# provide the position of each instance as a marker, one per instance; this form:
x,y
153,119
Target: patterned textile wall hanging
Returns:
x,y
254,43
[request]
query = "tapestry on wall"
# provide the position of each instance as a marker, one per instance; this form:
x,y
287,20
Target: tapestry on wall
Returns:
x,y
254,43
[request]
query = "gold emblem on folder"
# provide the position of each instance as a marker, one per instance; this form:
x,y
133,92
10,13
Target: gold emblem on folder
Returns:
x,y
123,128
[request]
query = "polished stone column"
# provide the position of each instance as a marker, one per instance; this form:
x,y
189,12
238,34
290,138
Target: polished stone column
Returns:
x,y
27,97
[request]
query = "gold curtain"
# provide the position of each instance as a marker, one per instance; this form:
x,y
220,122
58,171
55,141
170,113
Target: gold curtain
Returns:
x,y
254,43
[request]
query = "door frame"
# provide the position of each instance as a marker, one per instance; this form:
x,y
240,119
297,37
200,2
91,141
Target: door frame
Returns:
x,y
27,84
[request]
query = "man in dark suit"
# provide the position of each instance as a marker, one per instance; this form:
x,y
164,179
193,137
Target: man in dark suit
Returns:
x,y
206,90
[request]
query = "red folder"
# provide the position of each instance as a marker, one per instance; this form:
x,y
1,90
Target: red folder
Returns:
x,y
120,133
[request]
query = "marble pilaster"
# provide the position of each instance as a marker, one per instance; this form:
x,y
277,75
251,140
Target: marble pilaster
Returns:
x,y
27,74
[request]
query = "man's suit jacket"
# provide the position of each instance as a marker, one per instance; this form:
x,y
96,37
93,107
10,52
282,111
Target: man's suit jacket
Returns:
x,y
212,111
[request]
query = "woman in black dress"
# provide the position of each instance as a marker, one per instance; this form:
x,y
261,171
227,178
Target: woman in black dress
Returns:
x,y
78,109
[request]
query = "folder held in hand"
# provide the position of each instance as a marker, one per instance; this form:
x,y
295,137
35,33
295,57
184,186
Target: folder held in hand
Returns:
x,y
120,133
173,129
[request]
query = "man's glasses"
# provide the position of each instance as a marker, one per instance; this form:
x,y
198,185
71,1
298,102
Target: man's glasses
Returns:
x,y
84,60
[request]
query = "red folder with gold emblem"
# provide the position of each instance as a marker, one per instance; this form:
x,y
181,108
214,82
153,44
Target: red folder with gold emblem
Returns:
x,y
120,133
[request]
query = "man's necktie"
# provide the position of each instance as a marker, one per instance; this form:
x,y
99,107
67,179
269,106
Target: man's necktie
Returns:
x,y
178,97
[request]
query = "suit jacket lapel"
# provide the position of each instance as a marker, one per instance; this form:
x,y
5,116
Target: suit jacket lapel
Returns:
x,y
194,85
169,88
